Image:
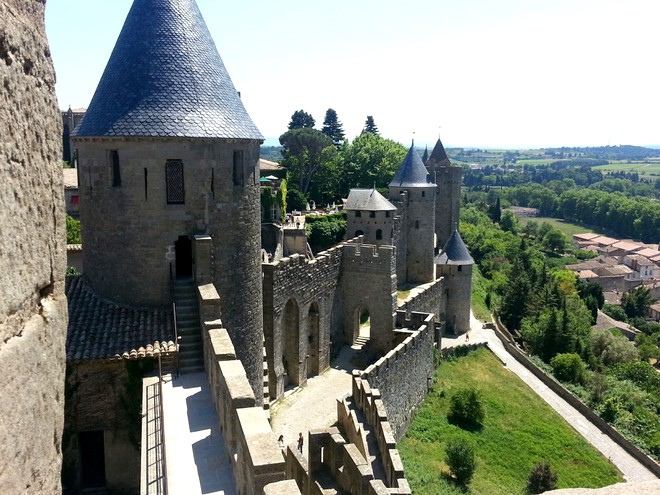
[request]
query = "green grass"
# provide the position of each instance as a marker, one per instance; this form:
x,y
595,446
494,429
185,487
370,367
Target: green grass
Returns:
x,y
479,291
519,430
566,227
647,169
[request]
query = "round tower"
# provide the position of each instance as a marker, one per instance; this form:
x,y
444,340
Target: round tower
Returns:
x,y
369,214
448,194
167,152
454,263
412,191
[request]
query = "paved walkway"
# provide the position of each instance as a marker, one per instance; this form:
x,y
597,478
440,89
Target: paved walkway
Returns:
x,y
631,469
315,405
197,461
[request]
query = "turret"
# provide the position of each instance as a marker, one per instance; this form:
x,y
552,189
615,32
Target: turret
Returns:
x,y
412,191
369,214
167,152
454,263
448,194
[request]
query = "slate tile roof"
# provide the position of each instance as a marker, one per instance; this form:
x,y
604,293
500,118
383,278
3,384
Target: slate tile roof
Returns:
x,y
439,155
100,329
455,252
165,78
412,172
367,199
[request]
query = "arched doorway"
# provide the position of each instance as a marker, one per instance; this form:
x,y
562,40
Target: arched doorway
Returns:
x,y
313,340
291,343
183,252
361,325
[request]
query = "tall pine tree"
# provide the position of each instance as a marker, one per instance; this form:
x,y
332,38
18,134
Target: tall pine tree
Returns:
x,y
370,126
301,120
332,127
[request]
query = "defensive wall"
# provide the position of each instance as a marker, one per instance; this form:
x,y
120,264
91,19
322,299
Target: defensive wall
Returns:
x,y
402,376
300,307
509,344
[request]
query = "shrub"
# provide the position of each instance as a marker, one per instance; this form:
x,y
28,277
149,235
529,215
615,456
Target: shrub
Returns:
x,y
568,368
72,230
466,407
295,200
541,478
459,456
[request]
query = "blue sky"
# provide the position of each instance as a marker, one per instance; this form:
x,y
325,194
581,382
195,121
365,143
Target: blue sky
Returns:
x,y
482,73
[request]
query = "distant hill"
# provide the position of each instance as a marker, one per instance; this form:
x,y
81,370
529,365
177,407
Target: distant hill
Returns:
x,y
272,153
623,152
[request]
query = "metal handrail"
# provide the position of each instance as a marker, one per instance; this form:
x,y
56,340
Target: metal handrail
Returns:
x,y
162,423
176,329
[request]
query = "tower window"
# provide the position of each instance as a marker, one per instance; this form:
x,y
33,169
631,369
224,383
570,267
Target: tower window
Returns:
x,y
358,214
174,182
372,214
146,191
387,214
416,224
239,178
116,173
379,235
423,193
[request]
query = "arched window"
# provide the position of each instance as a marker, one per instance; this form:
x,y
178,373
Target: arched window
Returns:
x,y
379,235
358,232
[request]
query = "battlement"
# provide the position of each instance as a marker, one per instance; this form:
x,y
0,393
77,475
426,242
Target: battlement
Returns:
x,y
427,300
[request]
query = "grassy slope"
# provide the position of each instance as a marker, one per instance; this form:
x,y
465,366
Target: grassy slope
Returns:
x,y
479,291
520,429
566,227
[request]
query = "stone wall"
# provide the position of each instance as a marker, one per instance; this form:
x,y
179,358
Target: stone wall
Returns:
x,y
32,259
300,302
458,285
431,299
447,201
368,281
402,375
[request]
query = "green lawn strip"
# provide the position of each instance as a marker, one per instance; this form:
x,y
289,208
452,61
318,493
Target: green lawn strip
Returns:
x,y
566,227
520,430
479,291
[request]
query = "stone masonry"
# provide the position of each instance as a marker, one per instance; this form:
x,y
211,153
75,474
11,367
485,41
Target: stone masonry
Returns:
x,y
32,258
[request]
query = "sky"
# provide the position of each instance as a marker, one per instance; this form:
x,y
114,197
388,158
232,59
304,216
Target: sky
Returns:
x,y
477,73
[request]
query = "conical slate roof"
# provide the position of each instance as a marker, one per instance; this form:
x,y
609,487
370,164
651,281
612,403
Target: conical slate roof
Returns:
x,y
367,200
439,155
455,252
412,172
425,156
165,78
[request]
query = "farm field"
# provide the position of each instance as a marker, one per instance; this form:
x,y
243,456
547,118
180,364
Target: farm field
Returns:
x,y
566,227
519,430
647,169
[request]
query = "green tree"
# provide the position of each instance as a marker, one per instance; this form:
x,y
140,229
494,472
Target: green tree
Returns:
x,y
509,222
459,456
495,211
370,125
612,349
466,407
636,302
555,241
369,160
568,368
72,230
305,151
541,478
332,127
301,120
295,200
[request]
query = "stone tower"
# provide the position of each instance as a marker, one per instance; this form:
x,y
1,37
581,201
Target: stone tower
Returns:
x,y
368,213
412,191
33,308
167,152
448,195
454,263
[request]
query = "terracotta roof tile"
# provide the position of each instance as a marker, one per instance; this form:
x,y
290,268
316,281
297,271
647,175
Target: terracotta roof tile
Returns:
x,y
100,329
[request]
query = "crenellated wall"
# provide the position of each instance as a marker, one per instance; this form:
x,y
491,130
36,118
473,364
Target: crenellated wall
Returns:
x,y
402,376
300,324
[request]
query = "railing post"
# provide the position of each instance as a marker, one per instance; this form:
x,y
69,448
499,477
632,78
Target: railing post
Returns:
x,y
162,422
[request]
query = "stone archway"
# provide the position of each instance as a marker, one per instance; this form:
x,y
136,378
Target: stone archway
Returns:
x,y
291,342
313,341
361,331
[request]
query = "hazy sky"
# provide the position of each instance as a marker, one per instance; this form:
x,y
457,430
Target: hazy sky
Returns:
x,y
483,73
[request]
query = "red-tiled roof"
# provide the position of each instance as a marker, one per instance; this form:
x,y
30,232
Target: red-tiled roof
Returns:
x,y
100,329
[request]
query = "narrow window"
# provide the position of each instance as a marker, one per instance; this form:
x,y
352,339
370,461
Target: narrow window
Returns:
x,y
416,224
358,214
372,214
213,183
75,200
387,214
146,196
174,182
460,268
423,193
116,175
391,233
238,168
379,235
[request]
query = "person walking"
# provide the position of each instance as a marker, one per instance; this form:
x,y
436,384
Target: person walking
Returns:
x,y
301,441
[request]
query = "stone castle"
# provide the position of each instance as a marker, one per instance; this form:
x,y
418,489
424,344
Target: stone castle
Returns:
x,y
170,207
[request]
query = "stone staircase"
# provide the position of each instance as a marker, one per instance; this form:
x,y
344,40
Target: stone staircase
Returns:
x,y
191,359
360,342
265,379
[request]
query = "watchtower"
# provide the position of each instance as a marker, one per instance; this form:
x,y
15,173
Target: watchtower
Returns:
x,y
369,214
454,263
448,194
167,152
412,191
